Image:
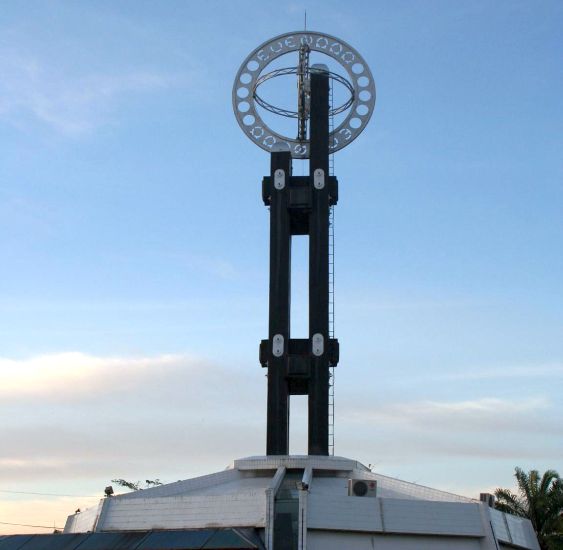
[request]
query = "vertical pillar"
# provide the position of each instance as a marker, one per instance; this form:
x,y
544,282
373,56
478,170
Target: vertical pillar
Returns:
x,y
318,262
280,303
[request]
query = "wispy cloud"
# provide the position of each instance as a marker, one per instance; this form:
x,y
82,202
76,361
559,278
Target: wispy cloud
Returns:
x,y
32,89
484,429
85,419
78,373
78,420
554,370
482,415
73,414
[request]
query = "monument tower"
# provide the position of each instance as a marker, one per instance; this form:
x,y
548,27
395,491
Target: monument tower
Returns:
x,y
278,501
301,205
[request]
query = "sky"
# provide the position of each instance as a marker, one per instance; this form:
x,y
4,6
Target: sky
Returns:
x,y
134,246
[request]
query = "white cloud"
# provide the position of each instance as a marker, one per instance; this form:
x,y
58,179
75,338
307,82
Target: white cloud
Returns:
x,y
80,420
73,415
70,104
78,373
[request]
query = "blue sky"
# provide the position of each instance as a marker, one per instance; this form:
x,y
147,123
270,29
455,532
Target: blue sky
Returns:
x,y
133,239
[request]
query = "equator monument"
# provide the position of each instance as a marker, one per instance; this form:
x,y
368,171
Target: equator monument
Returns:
x,y
279,501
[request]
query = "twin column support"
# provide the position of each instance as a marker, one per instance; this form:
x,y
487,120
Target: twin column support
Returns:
x,y
299,205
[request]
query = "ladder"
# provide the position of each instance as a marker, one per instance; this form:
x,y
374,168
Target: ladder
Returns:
x,y
331,292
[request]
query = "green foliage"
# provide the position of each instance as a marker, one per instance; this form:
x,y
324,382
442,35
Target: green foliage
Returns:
x,y
540,499
136,485
152,483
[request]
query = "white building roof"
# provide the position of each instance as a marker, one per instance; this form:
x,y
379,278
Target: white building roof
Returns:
x,y
307,497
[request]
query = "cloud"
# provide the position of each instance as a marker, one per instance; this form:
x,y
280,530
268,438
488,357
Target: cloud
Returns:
x,y
69,104
73,415
78,373
80,419
75,421
490,428
549,370
485,414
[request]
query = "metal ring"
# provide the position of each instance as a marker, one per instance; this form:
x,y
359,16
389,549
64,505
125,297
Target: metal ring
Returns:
x,y
294,114
246,81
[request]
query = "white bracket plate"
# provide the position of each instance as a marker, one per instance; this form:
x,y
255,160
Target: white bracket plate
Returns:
x,y
279,179
277,345
318,344
319,178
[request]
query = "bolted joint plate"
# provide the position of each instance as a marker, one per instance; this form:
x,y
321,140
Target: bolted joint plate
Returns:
x,y
299,190
318,344
279,179
277,345
299,352
319,179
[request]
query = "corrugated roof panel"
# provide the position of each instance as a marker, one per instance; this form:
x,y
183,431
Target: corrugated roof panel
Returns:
x,y
14,542
228,539
210,539
55,542
176,540
251,534
113,541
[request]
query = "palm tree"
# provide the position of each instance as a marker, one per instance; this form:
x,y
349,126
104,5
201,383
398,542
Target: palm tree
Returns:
x,y
540,499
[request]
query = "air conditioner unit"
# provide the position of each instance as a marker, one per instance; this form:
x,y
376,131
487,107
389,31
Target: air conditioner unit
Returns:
x,y
488,499
362,488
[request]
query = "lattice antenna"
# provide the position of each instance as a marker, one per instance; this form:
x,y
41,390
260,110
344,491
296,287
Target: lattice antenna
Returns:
x,y
303,92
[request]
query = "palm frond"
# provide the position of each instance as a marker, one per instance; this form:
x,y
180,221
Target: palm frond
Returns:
x,y
549,478
507,501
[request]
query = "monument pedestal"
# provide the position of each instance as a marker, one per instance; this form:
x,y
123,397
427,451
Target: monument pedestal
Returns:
x,y
308,502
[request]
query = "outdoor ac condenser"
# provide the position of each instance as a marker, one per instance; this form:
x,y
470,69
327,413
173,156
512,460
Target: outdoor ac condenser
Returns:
x,y
488,499
362,488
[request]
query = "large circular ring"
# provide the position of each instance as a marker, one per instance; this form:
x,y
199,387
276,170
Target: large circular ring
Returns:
x,y
360,76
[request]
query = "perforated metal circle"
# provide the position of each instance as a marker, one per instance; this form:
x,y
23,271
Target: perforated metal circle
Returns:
x,y
358,72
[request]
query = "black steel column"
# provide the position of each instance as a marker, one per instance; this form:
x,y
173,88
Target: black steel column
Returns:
x,y
318,264
280,303
300,205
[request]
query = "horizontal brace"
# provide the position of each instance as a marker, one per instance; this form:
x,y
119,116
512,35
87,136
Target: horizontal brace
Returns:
x,y
302,187
299,352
